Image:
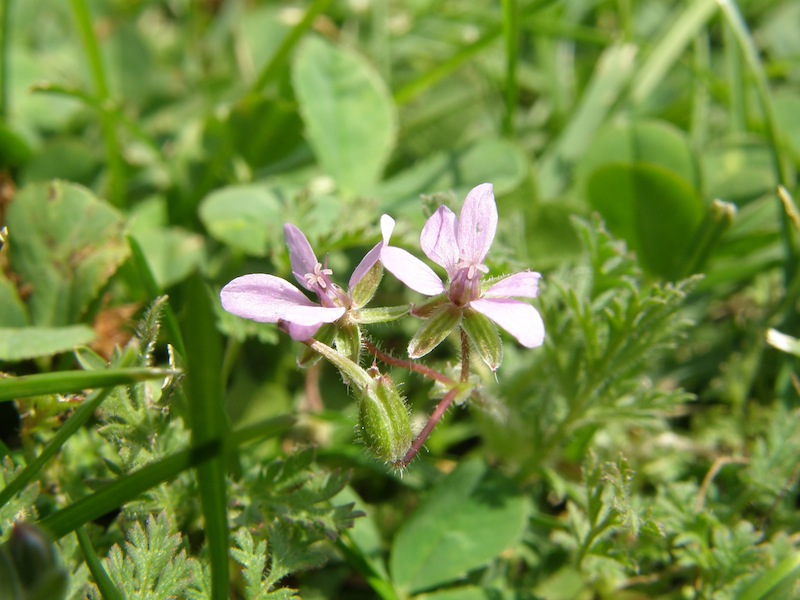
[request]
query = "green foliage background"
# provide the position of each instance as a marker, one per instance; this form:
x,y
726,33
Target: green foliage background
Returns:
x,y
643,156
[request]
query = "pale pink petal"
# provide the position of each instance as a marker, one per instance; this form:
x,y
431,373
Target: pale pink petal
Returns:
x,y
477,224
374,255
301,254
517,318
269,299
312,315
518,285
387,227
301,333
438,239
411,271
365,265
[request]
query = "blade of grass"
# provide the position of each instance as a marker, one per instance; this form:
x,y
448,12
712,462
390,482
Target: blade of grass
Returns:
x,y
733,68
130,486
511,37
701,97
66,382
116,176
669,48
107,588
278,59
611,76
207,421
780,163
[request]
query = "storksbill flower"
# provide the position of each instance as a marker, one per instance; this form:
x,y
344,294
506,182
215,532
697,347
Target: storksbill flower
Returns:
x,y
269,299
460,245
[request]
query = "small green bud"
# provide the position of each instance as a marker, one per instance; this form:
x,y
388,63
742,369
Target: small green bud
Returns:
x,y
441,323
484,337
364,290
383,419
30,567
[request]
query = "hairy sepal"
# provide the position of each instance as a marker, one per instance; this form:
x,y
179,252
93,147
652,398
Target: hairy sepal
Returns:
x,y
441,323
484,337
365,289
383,420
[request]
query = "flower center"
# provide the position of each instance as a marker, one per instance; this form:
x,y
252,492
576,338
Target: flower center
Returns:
x,y
466,283
328,292
320,277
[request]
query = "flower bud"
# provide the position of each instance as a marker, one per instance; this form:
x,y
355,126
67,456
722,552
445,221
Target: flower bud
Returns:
x,y
383,419
30,567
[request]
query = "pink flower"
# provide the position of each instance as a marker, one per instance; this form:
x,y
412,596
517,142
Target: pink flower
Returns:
x,y
270,299
460,245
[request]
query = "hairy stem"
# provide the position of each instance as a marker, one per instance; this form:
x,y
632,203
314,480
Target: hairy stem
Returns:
x,y
423,436
409,365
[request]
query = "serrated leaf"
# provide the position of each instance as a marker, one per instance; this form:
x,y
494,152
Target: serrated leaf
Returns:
x,y
64,244
348,112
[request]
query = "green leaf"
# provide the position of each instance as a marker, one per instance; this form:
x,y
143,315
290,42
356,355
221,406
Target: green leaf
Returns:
x,y
348,111
643,142
65,244
469,518
245,217
12,310
22,343
655,211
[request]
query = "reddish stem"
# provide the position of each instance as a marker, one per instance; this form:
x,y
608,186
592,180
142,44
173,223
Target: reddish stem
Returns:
x,y
407,364
423,436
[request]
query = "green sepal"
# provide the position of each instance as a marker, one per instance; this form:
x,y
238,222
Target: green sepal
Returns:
x,y
365,289
379,315
442,322
348,341
484,337
325,334
383,420
427,308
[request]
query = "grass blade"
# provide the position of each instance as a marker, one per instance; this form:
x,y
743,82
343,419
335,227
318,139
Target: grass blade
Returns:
x,y
66,382
208,422
107,588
